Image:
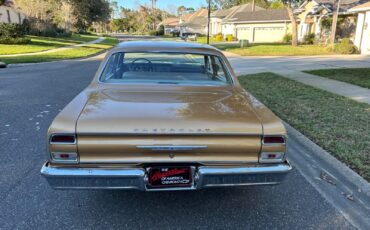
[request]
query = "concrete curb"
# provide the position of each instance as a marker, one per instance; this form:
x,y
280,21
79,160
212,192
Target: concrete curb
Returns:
x,y
343,188
347,173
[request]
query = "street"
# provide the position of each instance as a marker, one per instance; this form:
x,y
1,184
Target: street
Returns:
x,y
251,65
32,95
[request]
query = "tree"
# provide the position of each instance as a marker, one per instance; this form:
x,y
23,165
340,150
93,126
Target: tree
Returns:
x,y
181,10
88,12
334,23
289,6
276,5
114,9
226,4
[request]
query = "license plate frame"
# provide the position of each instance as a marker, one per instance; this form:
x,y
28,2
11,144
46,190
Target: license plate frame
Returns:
x,y
162,177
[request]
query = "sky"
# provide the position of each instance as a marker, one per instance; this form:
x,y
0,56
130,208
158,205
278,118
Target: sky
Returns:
x,y
169,5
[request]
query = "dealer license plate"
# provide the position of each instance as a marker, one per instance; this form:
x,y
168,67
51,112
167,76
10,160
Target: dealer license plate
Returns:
x,y
169,177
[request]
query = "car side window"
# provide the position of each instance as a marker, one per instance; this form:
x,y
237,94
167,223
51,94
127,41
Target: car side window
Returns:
x,y
218,70
111,68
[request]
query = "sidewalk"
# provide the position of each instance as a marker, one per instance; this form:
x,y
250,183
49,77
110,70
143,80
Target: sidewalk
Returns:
x,y
258,64
291,67
354,92
100,39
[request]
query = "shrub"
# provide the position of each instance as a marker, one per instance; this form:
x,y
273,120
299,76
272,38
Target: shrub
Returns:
x,y
219,37
12,30
229,38
345,46
153,33
88,32
49,32
287,38
160,31
309,38
14,41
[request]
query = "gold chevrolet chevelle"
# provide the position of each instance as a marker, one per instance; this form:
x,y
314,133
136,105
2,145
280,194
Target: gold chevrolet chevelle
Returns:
x,y
165,116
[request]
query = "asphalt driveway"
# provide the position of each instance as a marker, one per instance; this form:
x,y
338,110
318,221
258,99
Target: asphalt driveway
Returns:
x,y
32,95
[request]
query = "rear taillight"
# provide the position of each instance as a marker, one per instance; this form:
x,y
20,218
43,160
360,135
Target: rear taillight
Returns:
x,y
63,139
273,149
63,149
270,140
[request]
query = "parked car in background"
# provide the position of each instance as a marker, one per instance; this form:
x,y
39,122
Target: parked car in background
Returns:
x,y
165,116
189,36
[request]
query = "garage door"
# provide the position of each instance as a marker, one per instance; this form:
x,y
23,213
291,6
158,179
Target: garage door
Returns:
x,y
268,34
243,33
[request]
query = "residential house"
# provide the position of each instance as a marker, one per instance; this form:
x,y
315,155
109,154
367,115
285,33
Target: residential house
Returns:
x,y
170,25
8,14
311,14
259,26
217,17
222,20
195,23
362,37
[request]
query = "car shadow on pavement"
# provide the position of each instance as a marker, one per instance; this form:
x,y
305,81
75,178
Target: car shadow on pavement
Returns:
x,y
259,207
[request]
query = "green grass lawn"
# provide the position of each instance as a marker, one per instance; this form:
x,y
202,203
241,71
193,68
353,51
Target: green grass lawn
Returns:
x,y
360,77
338,124
45,43
203,40
80,52
275,49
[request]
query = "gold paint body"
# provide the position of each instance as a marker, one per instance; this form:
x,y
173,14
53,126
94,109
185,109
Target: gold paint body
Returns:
x,y
111,120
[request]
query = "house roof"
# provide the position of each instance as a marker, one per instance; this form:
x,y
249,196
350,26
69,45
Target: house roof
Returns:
x,y
260,16
196,22
170,22
223,12
362,7
241,9
198,18
345,5
185,17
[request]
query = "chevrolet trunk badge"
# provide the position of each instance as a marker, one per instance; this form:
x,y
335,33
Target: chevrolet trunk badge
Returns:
x,y
171,148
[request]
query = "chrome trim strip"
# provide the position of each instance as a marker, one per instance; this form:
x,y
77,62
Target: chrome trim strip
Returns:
x,y
280,168
48,171
171,147
173,133
136,178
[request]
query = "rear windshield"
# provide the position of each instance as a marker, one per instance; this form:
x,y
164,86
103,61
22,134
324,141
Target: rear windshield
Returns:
x,y
165,68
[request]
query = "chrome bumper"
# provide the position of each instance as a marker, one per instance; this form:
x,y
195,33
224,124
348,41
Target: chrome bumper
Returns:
x,y
136,178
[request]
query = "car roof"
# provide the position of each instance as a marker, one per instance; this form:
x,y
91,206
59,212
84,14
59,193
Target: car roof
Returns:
x,y
165,46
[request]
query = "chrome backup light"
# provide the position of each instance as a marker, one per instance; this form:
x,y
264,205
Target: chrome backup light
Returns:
x,y
71,158
271,157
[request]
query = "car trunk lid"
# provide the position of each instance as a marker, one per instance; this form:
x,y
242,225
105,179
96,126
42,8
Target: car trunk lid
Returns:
x,y
116,125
